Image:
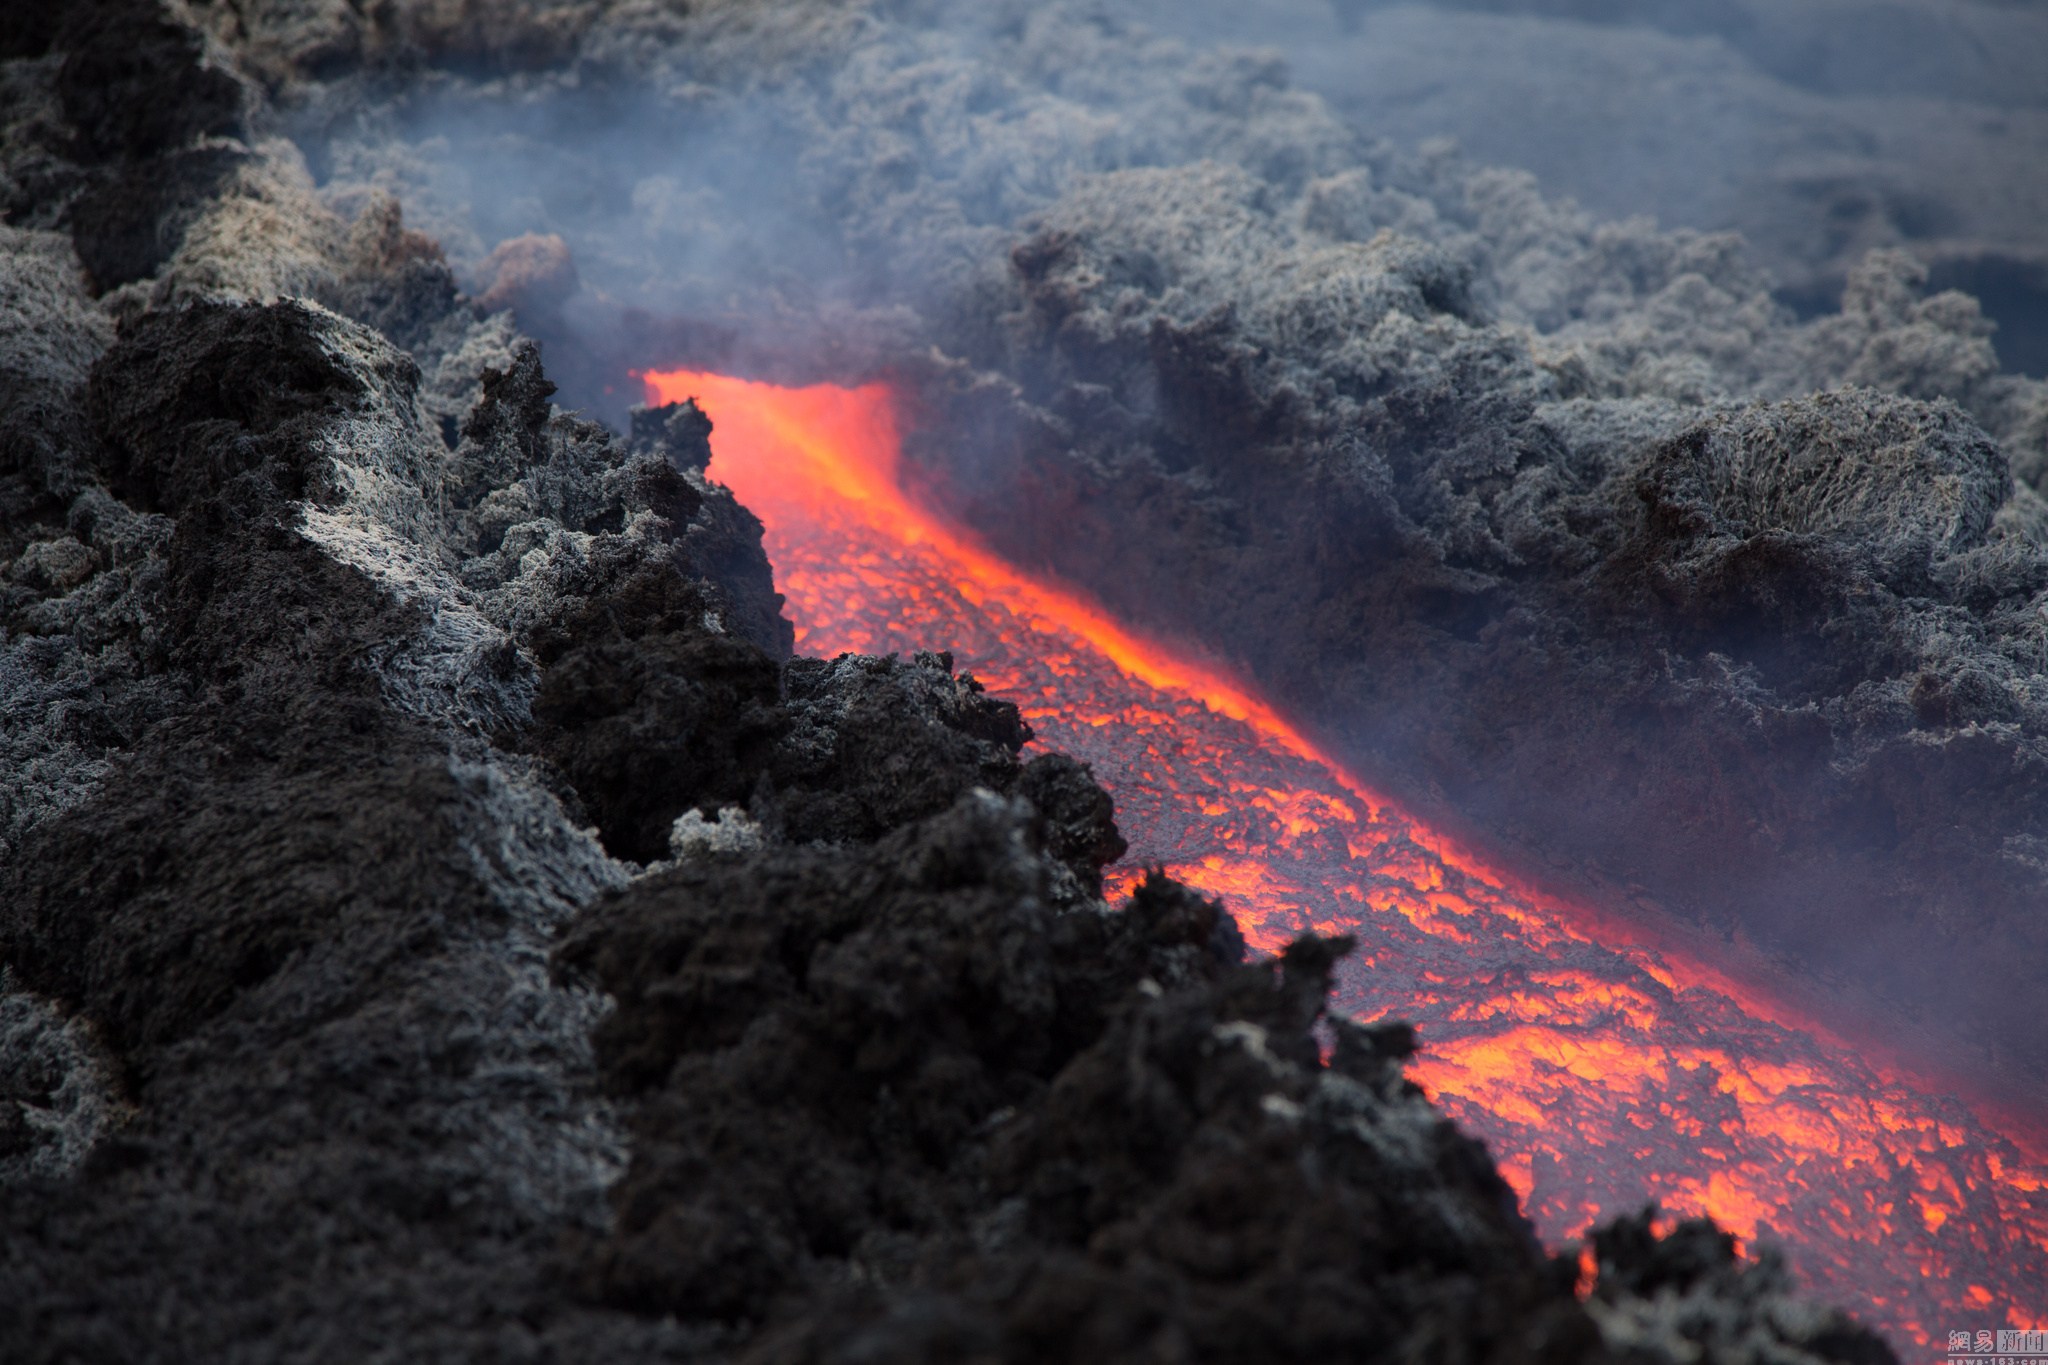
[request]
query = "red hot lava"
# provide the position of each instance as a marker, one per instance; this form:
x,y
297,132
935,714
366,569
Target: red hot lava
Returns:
x,y
1602,1070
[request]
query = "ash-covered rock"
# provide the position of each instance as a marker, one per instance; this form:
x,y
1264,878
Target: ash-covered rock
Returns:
x,y
278,1032
81,582
276,994
58,1092
1919,480
1690,1284
894,1103
1819,129
150,117
1673,631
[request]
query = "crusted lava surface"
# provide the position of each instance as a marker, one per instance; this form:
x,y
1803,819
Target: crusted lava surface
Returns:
x,y
1770,663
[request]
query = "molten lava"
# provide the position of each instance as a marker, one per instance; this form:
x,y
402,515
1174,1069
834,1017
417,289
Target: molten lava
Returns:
x,y
1602,1070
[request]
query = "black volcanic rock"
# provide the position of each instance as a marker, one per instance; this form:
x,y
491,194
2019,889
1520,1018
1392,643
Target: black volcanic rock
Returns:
x,y
135,83
130,221
877,743
221,398
1028,1130
149,118
1080,818
648,712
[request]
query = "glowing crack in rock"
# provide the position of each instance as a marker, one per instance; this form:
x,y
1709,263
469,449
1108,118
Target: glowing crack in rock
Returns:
x,y
1601,1070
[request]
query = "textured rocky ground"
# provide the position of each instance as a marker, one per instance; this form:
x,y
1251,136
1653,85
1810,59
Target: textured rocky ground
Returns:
x,y
1819,129
1617,587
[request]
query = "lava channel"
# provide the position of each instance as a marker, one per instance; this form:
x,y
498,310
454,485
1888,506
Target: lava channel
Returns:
x,y
1601,1070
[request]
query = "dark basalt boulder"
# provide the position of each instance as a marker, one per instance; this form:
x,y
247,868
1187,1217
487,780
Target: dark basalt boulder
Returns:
x,y
135,83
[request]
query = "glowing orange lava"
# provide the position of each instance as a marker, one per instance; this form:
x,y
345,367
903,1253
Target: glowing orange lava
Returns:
x,y
1602,1070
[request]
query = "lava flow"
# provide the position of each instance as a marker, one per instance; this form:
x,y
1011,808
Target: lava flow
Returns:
x,y
1602,1071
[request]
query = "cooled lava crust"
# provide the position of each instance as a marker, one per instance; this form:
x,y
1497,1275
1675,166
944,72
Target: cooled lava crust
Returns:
x,y
440,921
1764,663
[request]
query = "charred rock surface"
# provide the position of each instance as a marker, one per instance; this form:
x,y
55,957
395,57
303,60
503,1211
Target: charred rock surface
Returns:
x,y
148,114
892,1104
982,1128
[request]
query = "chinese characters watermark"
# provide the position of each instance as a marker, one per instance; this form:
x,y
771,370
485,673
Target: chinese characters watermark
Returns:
x,y
1998,1348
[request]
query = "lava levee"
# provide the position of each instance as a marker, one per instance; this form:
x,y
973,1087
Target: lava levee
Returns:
x,y
1601,1071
